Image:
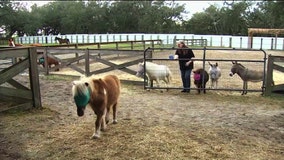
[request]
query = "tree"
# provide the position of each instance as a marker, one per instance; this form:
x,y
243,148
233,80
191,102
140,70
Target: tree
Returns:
x,y
154,16
12,17
268,14
206,22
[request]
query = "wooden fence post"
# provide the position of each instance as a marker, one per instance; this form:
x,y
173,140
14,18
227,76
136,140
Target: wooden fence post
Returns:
x,y
174,41
271,43
34,78
269,76
76,54
87,62
261,43
131,44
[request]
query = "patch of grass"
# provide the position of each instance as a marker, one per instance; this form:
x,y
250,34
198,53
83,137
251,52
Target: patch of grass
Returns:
x,y
124,46
59,77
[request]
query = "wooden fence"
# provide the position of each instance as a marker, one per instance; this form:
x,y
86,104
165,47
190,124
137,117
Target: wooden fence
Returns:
x,y
21,95
69,58
274,63
192,42
118,44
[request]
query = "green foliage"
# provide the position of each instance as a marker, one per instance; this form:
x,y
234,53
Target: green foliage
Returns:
x,y
90,17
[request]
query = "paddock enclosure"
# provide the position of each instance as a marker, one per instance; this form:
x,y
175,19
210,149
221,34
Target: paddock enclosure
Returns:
x,y
151,124
77,62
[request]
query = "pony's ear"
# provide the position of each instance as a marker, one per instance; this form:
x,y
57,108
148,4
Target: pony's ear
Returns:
x,y
74,82
209,63
216,64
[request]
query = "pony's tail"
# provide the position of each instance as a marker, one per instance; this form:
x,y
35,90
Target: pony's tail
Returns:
x,y
170,77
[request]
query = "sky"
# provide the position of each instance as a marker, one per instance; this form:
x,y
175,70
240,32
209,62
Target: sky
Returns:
x,y
191,6
198,6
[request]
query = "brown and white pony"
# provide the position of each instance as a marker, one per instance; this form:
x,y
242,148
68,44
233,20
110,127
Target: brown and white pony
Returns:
x,y
101,94
11,43
50,61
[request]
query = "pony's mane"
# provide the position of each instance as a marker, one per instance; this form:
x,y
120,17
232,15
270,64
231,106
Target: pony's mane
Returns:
x,y
79,86
150,64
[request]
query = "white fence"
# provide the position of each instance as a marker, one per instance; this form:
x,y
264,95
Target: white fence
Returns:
x,y
270,43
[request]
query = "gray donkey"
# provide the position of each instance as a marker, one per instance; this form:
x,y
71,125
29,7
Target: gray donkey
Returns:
x,y
215,74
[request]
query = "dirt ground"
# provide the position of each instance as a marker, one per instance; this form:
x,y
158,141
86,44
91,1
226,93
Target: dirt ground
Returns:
x,y
151,125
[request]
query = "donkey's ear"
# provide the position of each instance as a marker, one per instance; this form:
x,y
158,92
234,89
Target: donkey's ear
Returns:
x,y
216,64
209,63
234,62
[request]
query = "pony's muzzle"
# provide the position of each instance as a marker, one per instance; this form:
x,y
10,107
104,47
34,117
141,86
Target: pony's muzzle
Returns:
x,y
139,75
231,74
80,111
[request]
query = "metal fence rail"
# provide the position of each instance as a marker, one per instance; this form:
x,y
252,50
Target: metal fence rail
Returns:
x,y
204,59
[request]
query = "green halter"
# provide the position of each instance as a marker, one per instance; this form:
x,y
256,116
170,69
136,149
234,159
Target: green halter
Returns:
x,y
41,60
82,100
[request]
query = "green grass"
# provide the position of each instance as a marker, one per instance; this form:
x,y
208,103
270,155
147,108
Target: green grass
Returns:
x,y
59,77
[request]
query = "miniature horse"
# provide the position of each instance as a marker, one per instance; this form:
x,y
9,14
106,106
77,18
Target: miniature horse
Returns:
x,y
199,81
155,72
12,44
50,61
214,74
246,75
101,95
61,41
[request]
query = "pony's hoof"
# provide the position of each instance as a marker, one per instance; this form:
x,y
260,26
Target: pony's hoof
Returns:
x,y
114,122
95,136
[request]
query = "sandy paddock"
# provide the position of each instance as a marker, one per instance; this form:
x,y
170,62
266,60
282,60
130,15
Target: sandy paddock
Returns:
x,y
152,125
